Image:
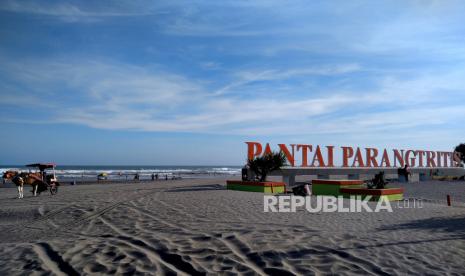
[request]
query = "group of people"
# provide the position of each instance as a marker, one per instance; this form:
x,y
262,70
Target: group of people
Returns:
x,y
154,176
137,176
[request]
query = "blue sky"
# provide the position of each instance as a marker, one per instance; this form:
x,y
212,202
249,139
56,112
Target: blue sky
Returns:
x,y
188,82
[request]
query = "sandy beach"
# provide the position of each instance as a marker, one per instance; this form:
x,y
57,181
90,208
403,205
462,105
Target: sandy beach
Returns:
x,y
197,227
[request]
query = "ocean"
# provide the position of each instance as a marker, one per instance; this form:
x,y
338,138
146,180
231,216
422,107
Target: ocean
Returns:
x,y
67,173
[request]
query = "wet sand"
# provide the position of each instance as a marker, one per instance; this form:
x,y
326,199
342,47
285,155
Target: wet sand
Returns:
x,y
197,227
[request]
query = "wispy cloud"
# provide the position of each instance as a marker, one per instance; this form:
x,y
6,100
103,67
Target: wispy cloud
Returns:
x,y
245,77
118,96
323,70
66,11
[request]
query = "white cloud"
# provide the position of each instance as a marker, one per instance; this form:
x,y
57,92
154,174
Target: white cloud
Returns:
x,y
288,73
66,11
129,97
112,95
210,65
246,77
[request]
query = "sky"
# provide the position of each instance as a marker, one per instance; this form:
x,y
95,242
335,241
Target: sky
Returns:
x,y
188,82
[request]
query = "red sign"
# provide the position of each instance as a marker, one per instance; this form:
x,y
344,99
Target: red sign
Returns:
x,y
323,156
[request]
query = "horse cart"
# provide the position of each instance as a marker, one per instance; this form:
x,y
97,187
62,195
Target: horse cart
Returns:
x,y
47,173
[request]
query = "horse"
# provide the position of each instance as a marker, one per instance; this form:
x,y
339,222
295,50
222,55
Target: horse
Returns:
x,y
19,179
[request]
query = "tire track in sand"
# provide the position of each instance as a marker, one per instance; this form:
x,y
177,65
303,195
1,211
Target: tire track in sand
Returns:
x,y
98,213
113,204
237,247
53,260
44,218
171,261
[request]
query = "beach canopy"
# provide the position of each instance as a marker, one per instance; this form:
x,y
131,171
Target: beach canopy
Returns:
x,y
42,166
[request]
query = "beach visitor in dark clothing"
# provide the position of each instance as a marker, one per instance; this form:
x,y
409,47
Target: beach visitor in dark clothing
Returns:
x,y
245,173
404,172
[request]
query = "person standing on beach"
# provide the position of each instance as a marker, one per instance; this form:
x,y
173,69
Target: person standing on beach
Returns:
x,y
245,173
156,176
404,172
153,176
407,172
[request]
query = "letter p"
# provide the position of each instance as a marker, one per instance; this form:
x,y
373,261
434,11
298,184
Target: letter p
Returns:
x,y
253,149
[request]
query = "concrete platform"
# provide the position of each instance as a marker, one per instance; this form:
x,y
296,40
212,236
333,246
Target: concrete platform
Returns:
x,y
417,174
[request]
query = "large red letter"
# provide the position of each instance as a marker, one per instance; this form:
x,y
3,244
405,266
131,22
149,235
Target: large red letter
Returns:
x,y
399,156
318,157
330,156
347,152
385,160
304,153
267,149
443,155
430,156
438,158
358,159
420,154
253,149
410,160
289,156
371,158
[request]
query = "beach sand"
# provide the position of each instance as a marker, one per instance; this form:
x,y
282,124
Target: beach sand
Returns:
x,y
197,227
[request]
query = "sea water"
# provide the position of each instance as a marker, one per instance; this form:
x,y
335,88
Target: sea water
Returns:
x,y
128,172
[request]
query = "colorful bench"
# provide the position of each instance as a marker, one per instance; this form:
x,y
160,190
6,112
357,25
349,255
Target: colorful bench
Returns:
x,y
390,194
333,187
348,188
251,186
